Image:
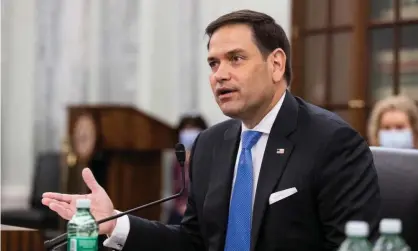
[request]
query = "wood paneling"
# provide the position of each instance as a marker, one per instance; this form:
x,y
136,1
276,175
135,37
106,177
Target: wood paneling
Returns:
x,y
134,180
15,239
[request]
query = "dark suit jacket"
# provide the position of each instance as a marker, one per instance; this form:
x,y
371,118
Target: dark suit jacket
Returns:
x,y
328,162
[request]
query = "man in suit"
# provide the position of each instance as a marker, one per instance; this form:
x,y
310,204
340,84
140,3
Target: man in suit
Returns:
x,y
282,174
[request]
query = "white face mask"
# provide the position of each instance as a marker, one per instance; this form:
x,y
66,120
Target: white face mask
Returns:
x,y
188,136
396,138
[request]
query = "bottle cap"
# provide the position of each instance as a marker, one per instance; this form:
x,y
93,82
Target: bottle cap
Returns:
x,y
390,226
83,203
357,229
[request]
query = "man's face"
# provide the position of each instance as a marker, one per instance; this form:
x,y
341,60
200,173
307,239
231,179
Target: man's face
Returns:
x,y
241,79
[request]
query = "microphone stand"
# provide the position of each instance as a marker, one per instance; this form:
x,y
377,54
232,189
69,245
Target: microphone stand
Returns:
x,y
181,157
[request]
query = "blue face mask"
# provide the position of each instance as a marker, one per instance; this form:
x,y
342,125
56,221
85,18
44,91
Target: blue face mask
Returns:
x,y
188,136
396,138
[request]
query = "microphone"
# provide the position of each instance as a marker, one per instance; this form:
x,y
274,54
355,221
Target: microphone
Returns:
x,y
181,158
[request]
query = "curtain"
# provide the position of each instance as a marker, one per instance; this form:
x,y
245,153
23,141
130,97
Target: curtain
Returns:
x,y
87,52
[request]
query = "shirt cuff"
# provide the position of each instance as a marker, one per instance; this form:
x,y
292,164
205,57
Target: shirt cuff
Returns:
x,y
119,235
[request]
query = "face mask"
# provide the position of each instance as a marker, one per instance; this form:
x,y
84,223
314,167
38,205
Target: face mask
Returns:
x,y
396,138
188,136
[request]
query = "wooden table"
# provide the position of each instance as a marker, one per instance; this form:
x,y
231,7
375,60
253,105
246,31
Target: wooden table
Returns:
x,y
21,239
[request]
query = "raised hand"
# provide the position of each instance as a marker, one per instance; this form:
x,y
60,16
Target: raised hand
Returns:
x,y
101,205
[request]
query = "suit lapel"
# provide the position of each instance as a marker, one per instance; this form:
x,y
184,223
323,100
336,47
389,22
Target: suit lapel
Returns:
x,y
276,155
216,205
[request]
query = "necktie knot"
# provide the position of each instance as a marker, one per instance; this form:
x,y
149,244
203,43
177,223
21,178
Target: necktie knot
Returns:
x,y
249,138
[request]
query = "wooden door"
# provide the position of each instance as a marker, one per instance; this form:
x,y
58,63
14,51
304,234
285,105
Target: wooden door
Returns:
x,y
347,54
323,48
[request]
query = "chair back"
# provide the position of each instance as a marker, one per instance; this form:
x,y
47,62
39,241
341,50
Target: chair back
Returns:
x,y
397,170
47,177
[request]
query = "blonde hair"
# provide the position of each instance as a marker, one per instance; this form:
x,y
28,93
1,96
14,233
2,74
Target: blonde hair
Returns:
x,y
400,103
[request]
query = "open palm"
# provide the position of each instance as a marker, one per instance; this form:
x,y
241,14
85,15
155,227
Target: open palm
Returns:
x,y
101,205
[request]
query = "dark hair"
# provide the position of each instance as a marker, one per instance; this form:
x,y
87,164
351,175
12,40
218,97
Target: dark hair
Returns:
x,y
268,35
190,120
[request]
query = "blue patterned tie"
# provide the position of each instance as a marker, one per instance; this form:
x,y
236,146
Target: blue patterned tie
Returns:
x,y
238,235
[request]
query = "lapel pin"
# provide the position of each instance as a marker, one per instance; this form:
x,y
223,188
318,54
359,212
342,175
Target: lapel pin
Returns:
x,y
280,151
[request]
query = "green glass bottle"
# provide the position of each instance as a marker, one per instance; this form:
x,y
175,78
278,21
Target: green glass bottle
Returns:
x,y
82,229
357,233
390,236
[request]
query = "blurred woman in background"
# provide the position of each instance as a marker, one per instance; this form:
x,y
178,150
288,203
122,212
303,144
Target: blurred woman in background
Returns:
x,y
188,129
394,123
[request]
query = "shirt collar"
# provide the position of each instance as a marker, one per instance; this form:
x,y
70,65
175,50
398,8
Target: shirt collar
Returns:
x,y
267,122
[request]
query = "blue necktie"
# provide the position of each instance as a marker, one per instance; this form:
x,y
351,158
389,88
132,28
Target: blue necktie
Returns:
x,y
238,235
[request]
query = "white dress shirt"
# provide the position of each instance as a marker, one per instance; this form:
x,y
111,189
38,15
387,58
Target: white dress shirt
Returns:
x,y
121,231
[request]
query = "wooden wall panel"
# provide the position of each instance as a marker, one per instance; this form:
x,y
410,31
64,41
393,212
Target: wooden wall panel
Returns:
x,y
13,239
